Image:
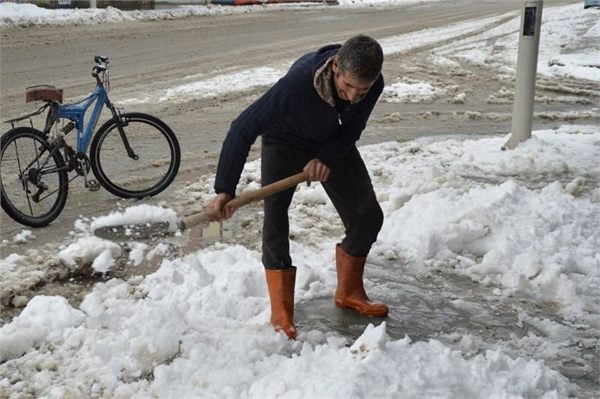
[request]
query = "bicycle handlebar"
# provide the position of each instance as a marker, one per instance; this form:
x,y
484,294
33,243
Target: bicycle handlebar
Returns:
x,y
99,59
102,66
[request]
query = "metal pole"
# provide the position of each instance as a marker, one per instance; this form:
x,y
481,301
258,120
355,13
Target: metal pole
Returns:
x,y
529,43
92,3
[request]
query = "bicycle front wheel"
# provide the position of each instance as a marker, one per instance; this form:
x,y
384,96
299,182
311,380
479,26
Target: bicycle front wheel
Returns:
x,y
150,165
34,190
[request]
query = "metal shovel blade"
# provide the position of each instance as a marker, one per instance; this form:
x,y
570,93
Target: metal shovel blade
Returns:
x,y
134,232
157,229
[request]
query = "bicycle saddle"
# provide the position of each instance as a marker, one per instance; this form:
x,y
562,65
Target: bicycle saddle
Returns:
x,y
43,92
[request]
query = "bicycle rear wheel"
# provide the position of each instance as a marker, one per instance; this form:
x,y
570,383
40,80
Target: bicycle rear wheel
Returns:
x,y
156,161
34,192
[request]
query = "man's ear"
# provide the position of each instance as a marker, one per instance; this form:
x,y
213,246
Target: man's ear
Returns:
x,y
336,65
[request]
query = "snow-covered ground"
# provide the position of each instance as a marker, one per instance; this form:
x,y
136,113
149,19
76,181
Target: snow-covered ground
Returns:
x,y
523,224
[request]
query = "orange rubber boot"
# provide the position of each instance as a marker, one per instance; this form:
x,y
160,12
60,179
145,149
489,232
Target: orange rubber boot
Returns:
x,y
281,285
350,292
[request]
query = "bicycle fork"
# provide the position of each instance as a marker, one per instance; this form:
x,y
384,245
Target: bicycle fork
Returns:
x,y
121,122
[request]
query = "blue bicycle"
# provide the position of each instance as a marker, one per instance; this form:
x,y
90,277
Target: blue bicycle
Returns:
x,y
132,155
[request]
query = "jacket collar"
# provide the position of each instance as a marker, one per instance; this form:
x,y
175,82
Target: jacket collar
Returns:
x,y
323,81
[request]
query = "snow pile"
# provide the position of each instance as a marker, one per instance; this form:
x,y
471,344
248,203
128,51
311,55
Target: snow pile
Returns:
x,y
408,92
204,314
568,44
427,37
504,218
27,15
21,274
100,254
45,319
23,237
223,84
138,215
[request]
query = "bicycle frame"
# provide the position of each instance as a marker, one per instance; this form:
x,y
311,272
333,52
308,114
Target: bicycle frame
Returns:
x,y
76,113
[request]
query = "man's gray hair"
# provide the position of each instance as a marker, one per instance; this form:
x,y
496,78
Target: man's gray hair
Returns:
x,y
362,56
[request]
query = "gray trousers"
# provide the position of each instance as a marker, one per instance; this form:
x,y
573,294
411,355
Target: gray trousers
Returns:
x,y
349,188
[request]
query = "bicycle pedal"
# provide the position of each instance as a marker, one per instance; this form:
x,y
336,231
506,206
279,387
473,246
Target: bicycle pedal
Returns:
x,y
93,185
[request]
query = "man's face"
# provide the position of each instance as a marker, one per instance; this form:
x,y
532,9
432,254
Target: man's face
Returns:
x,y
347,86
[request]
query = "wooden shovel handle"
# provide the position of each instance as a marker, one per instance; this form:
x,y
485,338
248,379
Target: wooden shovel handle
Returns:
x,y
248,198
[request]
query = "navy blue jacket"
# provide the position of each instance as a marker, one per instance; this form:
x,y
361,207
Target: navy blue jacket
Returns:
x,y
292,112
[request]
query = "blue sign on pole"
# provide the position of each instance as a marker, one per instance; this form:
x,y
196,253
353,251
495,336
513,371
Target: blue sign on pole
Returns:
x,y
64,4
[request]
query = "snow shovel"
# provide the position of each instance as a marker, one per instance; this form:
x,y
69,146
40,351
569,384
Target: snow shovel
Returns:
x,y
157,229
